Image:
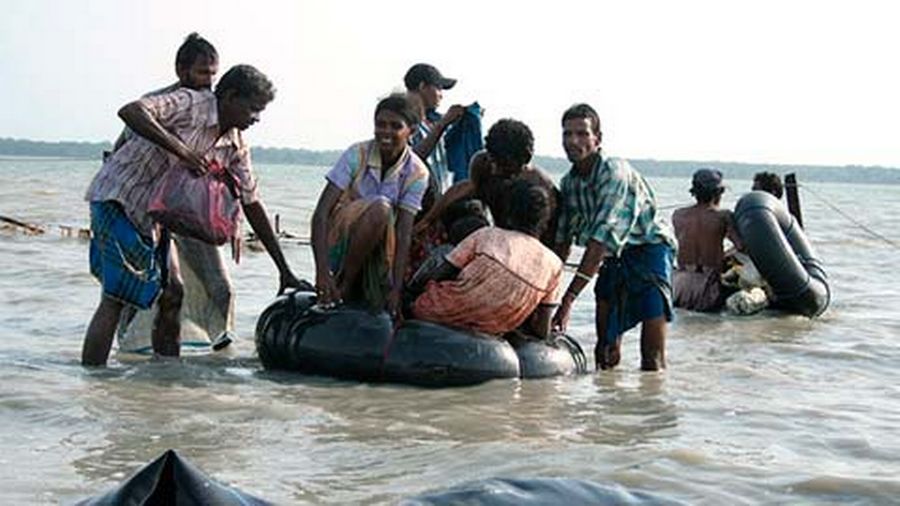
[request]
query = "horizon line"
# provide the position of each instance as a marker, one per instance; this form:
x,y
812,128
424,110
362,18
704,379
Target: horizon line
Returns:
x,y
562,158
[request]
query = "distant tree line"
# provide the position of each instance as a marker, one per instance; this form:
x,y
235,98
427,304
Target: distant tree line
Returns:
x,y
745,171
658,168
22,147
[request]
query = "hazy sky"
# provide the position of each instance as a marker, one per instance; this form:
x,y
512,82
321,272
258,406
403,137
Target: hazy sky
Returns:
x,y
761,81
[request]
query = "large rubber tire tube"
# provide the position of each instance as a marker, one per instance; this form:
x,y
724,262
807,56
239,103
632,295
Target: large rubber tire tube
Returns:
x,y
782,254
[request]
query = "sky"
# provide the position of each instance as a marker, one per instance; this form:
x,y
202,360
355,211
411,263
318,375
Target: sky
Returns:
x,y
786,82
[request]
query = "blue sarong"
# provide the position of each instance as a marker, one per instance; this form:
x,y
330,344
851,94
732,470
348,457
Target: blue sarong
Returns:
x,y
129,266
638,287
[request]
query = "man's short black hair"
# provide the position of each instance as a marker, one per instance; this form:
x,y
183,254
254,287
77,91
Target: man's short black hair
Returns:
x,y
402,104
769,182
193,47
463,227
463,217
462,209
707,195
580,111
247,82
527,207
510,142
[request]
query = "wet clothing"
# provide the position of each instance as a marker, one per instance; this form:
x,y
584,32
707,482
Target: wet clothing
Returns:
x,y
130,267
697,288
637,286
462,141
613,205
504,276
131,175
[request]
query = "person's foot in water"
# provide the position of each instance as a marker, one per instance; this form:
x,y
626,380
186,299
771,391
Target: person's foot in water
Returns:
x,y
223,341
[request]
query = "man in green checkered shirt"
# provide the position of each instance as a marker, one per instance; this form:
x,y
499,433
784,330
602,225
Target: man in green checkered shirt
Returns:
x,y
607,207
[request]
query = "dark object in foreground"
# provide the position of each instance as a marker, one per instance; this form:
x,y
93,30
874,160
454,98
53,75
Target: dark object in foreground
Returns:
x,y
172,480
793,197
356,344
534,491
782,254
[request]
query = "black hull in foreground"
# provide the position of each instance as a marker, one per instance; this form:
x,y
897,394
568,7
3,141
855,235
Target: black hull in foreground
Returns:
x,y
356,344
172,480
782,255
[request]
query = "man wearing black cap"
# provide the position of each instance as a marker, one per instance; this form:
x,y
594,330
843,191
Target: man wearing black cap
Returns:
x,y
700,229
428,84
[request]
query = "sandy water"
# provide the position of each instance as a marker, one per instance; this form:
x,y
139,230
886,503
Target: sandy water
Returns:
x,y
764,409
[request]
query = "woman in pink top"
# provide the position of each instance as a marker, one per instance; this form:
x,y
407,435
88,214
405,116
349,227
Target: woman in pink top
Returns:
x,y
497,279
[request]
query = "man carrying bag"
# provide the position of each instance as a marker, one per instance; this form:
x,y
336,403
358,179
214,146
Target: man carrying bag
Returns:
x,y
130,253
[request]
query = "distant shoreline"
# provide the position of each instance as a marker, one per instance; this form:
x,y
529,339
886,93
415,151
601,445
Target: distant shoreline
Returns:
x,y
25,150
5,157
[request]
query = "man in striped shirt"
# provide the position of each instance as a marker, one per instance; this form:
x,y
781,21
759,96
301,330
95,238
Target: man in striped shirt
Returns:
x,y
183,130
196,64
610,209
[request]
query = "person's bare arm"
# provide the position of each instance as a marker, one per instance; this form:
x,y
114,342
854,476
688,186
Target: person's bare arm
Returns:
x,y
144,123
325,283
424,148
259,221
587,269
404,229
563,250
459,191
731,231
539,323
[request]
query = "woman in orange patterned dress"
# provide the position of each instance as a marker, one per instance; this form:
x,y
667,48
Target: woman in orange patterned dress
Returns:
x,y
497,279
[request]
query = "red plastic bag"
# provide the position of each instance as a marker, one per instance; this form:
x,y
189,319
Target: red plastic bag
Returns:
x,y
203,207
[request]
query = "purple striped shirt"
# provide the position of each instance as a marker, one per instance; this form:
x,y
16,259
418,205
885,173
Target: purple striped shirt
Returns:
x,y
131,175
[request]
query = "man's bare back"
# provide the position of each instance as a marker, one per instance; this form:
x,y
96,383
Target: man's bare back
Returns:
x,y
700,230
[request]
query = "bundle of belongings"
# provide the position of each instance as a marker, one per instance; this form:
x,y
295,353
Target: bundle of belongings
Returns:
x,y
752,291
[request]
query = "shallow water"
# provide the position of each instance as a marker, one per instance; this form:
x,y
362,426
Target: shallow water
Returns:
x,y
768,408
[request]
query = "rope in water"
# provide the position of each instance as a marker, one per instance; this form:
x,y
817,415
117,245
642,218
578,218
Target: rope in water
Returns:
x,y
850,218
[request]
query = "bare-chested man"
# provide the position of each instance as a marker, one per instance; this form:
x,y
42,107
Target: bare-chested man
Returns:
x,y
700,230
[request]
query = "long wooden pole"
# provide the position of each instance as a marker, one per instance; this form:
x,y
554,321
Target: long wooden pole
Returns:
x,y
793,197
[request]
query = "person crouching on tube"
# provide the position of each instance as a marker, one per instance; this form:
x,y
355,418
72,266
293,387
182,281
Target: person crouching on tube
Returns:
x,y
362,225
497,279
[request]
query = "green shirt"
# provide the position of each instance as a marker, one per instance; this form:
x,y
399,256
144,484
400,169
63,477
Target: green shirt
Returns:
x,y
612,204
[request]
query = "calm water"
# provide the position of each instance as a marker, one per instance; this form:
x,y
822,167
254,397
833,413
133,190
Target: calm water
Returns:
x,y
765,409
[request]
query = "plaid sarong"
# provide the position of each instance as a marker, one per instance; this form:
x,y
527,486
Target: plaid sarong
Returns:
x,y
129,266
